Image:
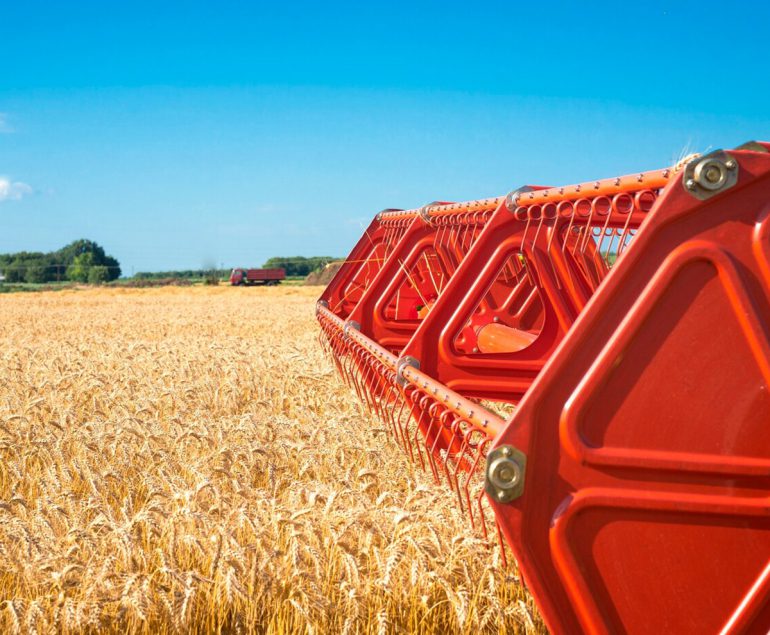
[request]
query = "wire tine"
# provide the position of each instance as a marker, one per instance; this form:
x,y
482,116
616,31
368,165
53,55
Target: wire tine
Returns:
x,y
554,229
400,418
588,233
568,233
425,435
626,230
604,230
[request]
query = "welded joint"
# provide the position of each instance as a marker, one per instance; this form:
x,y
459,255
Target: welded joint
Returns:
x,y
403,362
423,212
710,175
350,324
512,198
504,478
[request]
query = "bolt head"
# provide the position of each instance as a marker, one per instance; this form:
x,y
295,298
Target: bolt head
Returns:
x,y
690,183
711,174
731,164
495,319
504,473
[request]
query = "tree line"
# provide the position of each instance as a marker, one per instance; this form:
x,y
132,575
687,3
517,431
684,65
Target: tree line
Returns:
x,y
80,261
298,265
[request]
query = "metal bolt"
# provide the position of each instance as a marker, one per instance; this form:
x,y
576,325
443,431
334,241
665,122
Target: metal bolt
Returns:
x,y
690,184
495,319
731,164
475,349
504,474
506,451
710,174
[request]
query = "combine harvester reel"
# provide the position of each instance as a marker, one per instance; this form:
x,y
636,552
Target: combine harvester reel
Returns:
x,y
593,361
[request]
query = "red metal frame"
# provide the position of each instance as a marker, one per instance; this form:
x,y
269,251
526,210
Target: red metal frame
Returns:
x,y
641,406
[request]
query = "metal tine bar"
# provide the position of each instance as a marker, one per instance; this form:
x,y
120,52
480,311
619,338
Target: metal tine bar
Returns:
x,y
377,387
588,233
578,239
420,438
434,421
480,497
404,425
457,244
536,273
613,233
468,481
400,417
394,398
568,232
419,442
367,373
457,458
404,411
389,399
524,237
423,440
435,450
414,398
626,228
354,372
465,237
552,234
354,375
446,250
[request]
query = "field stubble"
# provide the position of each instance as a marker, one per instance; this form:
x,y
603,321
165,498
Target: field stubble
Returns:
x,y
186,460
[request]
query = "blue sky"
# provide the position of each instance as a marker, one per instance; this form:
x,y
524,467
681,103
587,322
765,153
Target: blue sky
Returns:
x,y
179,135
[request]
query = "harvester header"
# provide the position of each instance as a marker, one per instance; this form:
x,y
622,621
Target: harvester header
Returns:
x,y
592,363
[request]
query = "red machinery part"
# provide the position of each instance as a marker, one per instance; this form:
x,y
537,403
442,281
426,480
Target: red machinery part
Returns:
x,y
628,322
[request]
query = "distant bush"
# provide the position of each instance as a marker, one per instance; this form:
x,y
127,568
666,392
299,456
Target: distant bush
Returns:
x,y
98,274
181,274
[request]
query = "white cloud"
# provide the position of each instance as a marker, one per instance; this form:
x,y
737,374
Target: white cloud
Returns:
x,y
13,190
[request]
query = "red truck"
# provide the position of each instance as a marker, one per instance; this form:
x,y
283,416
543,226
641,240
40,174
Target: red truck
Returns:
x,y
257,276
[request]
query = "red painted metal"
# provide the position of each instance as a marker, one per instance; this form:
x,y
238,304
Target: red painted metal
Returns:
x,y
628,322
256,276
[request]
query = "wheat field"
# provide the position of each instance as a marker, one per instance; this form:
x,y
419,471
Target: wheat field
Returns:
x,y
186,460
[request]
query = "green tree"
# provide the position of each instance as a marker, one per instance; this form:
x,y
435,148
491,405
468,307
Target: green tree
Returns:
x,y
14,271
81,265
35,272
98,274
